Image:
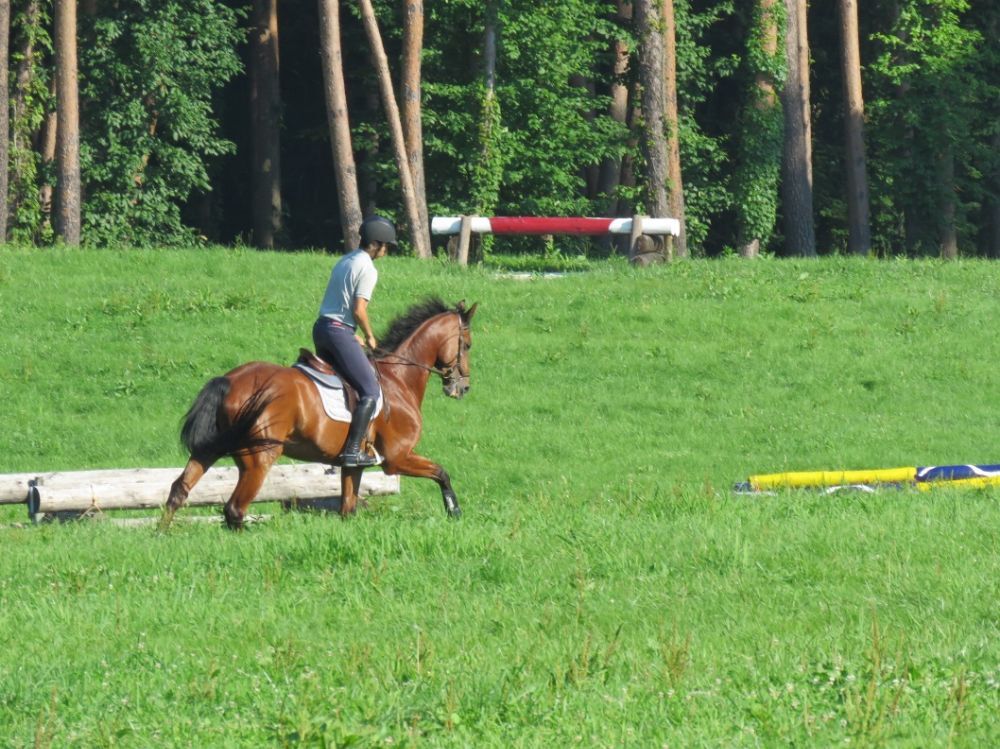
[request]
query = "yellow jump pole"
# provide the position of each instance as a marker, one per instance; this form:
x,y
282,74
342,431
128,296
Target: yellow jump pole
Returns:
x,y
801,479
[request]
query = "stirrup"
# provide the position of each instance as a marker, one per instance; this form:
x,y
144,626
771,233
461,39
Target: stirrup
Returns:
x,y
357,460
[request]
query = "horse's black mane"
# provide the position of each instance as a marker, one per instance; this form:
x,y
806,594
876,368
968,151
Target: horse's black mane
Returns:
x,y
403,326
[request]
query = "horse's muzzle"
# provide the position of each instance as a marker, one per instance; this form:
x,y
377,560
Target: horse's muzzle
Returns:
x,y
457,388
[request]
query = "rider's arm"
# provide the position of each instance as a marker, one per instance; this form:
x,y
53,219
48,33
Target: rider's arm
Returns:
x,y
361,318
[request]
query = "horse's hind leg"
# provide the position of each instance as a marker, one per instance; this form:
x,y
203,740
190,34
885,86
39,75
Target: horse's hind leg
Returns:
x,y
253,470
182,487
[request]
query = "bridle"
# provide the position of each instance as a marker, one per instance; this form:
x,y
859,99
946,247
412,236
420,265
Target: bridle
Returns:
x,y
451,373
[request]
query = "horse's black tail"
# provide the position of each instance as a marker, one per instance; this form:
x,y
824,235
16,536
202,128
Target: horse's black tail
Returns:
x,y
209,434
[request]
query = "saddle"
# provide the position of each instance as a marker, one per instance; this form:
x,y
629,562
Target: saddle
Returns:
x,y
309,359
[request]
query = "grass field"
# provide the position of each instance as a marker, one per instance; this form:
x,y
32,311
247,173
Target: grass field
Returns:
x,y
604,587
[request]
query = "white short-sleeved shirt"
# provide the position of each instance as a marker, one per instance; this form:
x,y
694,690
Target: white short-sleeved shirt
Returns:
x,y
353,276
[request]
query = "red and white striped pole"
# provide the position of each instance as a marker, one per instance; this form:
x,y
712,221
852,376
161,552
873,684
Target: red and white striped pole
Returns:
x,y
553,225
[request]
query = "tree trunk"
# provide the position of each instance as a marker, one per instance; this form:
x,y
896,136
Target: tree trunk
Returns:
x,y
265,104
589,173
628,207
763,100
47,150
611,168
413,134
797,177
654,143
946,189
489,193
4,113
67,213
367,182
419,233
490,49
487,172
26,58
859,227
340,128
675,185
24,172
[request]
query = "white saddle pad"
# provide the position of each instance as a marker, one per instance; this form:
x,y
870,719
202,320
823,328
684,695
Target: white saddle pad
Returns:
x,y
331,392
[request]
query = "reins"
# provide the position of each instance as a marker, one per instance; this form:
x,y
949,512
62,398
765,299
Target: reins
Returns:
x,y
382,355
379,355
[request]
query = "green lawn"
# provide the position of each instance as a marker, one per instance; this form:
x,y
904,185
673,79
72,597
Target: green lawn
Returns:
x,y
603,588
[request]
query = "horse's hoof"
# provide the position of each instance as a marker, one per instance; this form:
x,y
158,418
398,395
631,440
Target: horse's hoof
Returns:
x,y
454,513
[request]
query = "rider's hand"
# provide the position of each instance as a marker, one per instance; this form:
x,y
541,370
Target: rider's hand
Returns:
x,y
371,342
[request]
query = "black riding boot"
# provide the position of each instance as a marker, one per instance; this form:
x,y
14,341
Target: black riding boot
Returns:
x,y
351,456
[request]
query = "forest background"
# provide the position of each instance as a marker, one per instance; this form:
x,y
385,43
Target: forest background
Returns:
x,y
217,121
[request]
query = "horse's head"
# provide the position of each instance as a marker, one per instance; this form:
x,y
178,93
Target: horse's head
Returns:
x,y
453,356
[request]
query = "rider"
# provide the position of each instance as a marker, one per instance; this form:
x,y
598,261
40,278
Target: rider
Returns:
x,y
344,308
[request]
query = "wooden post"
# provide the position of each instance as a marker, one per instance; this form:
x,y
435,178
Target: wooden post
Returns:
x,y
634,235
464,240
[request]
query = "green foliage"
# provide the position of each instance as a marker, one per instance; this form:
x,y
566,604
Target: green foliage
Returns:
x,y
544,129
756,183
487,175
550,130
604,588
934,96
149,70
763,129
701,67
29,105
164,119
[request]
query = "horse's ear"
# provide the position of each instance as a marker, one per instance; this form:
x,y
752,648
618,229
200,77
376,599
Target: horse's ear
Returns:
x,y
460,306
472,311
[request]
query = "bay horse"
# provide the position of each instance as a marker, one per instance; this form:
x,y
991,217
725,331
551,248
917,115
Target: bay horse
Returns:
x,y
260,411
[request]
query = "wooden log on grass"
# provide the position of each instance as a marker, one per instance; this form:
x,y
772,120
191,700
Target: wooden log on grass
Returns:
x,y
15,487
148,488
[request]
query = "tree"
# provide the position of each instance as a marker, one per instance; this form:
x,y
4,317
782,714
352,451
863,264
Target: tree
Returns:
x,y
410,109
797,177
419,232
150,71
675,184
651,67
762,130
488,171
67,210
27,114
932,115
4,113
611,167
337,120
265,104
858,215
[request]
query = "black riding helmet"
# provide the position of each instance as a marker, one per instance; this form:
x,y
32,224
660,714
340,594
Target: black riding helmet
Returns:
x,y
377,229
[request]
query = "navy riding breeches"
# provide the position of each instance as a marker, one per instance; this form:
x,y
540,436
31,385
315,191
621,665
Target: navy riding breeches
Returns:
x,y
335,342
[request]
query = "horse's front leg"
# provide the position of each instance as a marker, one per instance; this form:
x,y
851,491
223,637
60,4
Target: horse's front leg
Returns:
x,y
420,467
350,489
